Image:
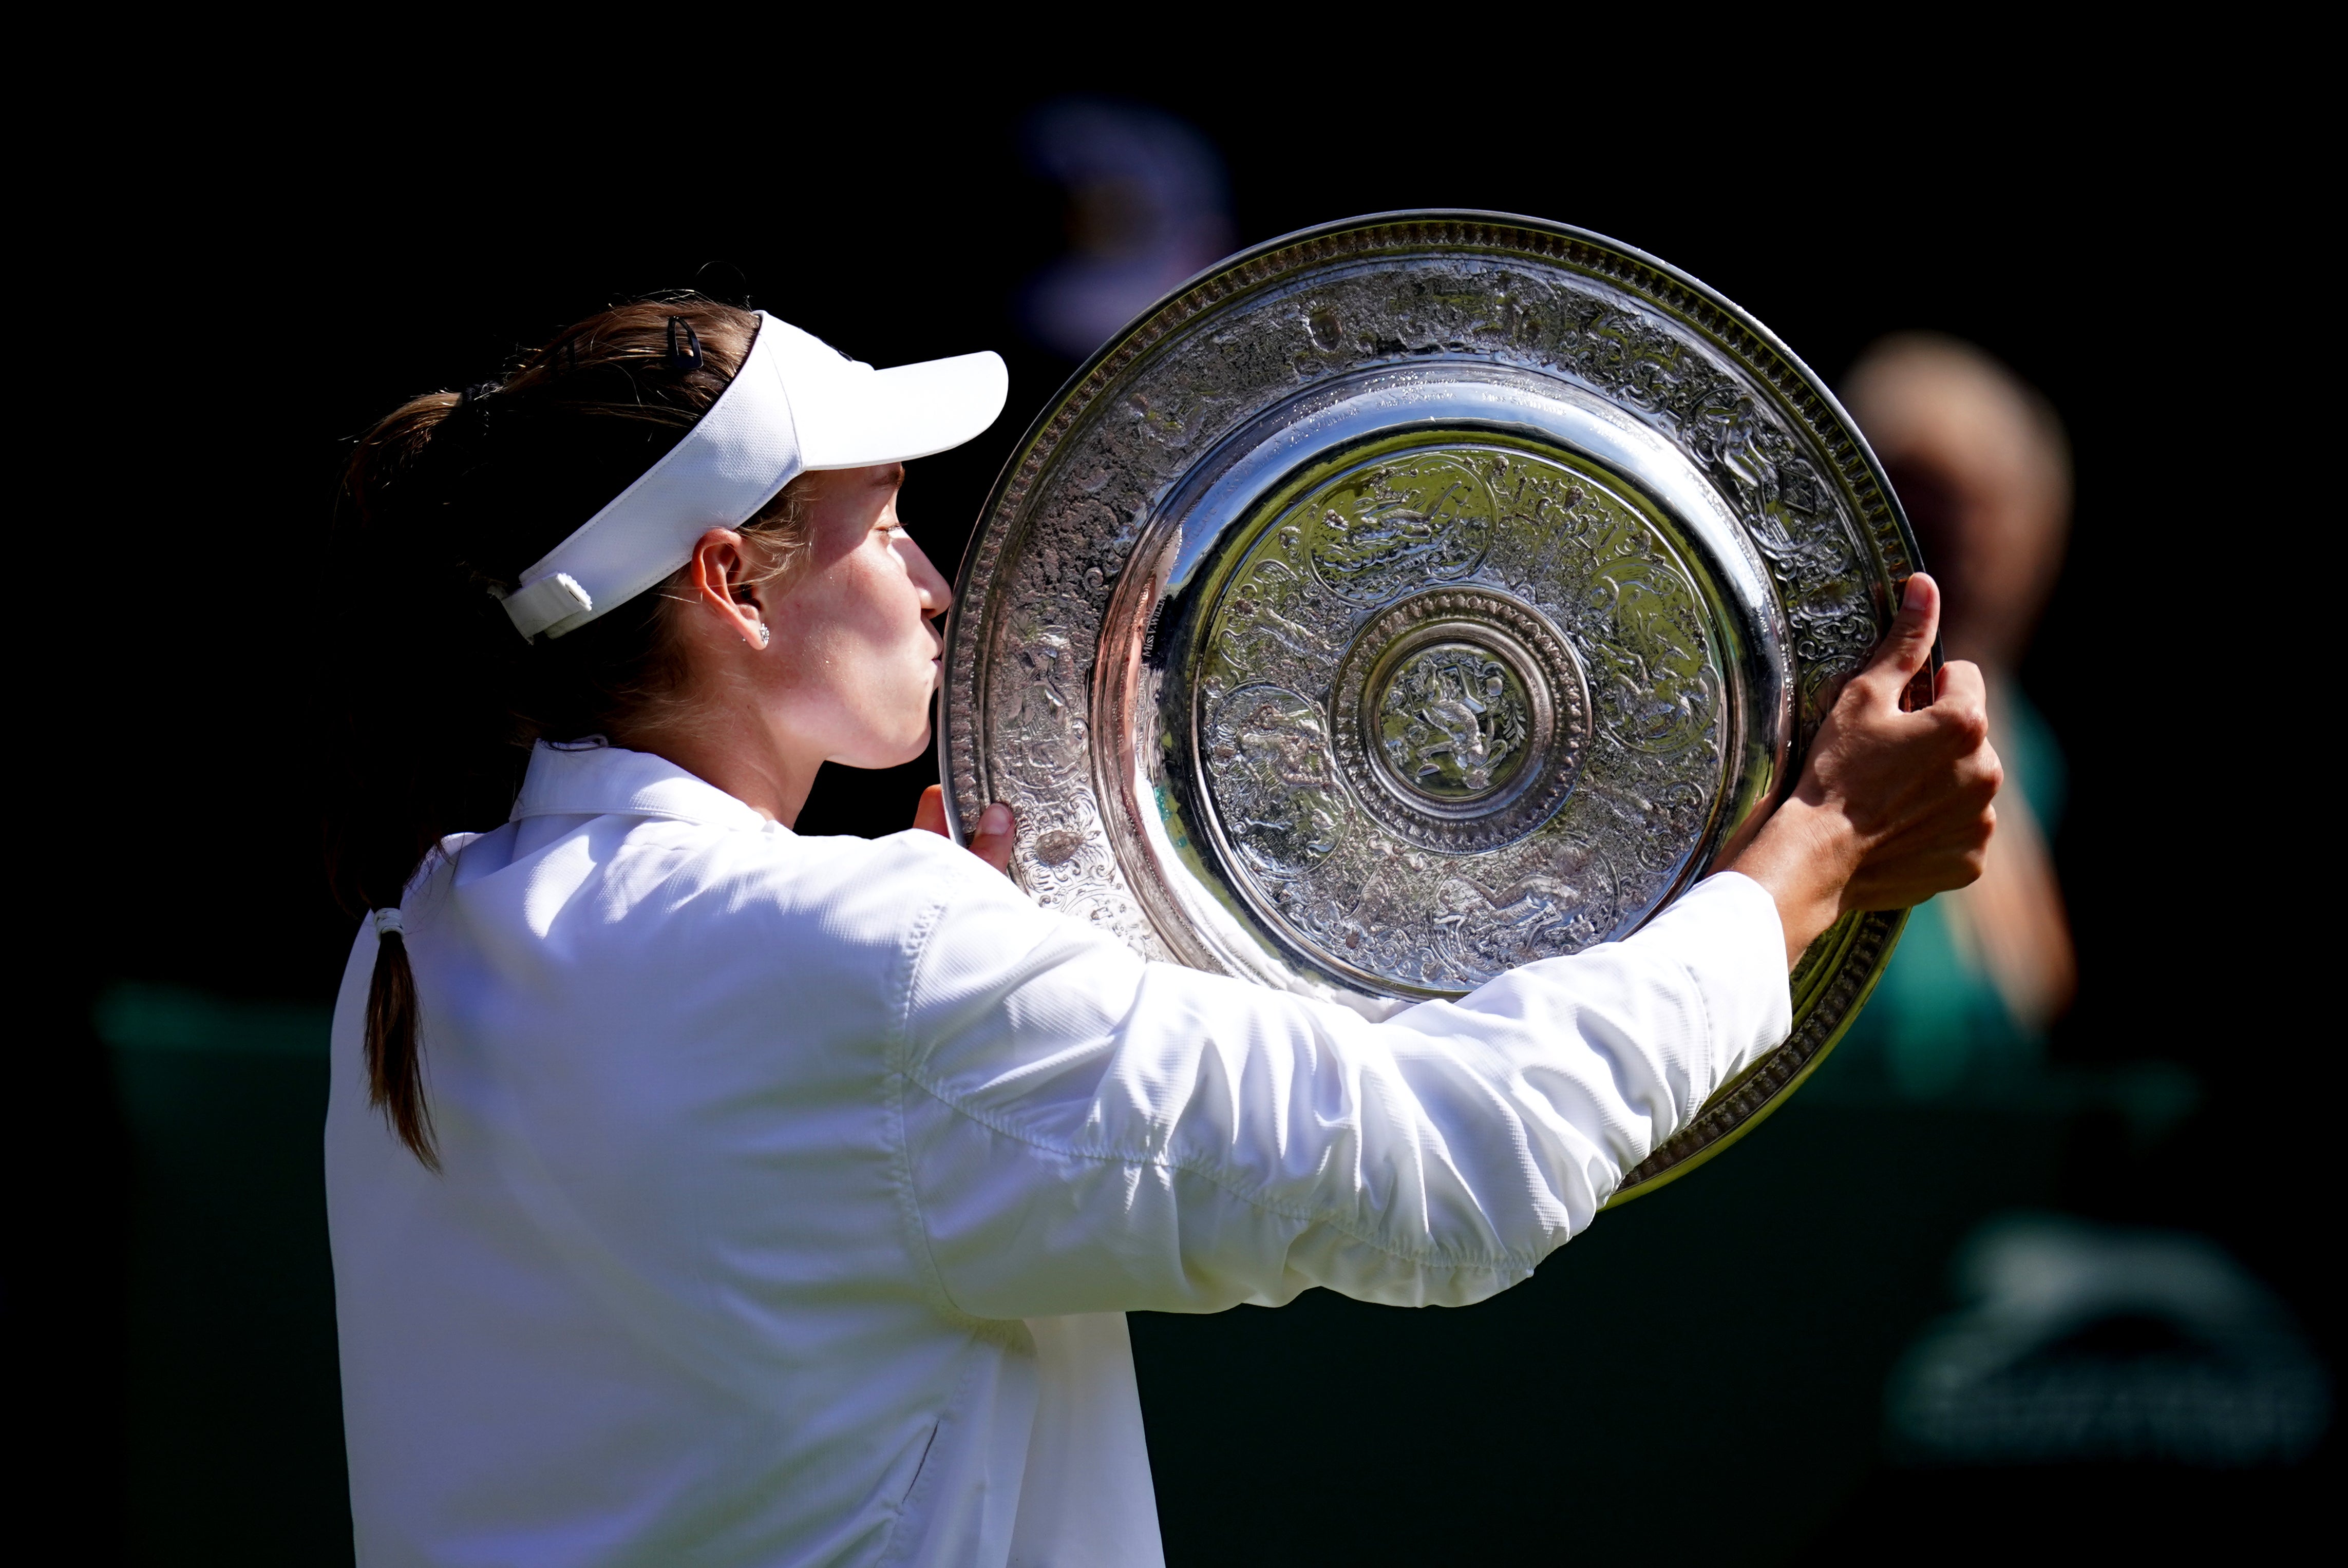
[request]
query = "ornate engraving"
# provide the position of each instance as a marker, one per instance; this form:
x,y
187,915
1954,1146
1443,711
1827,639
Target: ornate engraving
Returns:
x,y
1402,526
1268,752
1453,720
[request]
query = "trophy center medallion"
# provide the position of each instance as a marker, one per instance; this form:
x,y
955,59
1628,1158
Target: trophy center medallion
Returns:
x,y
1461,716
1453,723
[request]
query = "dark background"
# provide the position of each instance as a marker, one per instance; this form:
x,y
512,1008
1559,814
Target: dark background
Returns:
x,y
231,295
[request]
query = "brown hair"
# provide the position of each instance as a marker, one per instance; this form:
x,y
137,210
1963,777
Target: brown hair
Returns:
x,y
443,505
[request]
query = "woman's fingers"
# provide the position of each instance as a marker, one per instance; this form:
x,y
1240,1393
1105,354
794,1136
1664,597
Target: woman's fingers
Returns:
x,y
1892,807
1920,865
1960,711
930,816
1960,682
991,842
1937,837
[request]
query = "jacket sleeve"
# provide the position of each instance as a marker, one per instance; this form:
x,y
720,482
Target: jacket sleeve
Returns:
x,y
1090,1132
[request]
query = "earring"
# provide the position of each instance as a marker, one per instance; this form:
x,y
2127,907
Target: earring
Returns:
x,y
765,634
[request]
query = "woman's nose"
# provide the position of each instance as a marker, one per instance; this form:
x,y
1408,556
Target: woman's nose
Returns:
x,y
936,594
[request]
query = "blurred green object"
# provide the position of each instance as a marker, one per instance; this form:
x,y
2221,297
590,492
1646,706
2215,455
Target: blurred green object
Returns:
x,y
137,1019
236,1440
1937,1031
1936,1026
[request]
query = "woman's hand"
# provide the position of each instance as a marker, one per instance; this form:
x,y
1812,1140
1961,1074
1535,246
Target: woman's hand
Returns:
x,y
991,843
1892,807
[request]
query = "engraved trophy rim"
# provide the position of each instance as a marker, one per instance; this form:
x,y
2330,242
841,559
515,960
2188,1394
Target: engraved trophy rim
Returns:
x,y
1074,646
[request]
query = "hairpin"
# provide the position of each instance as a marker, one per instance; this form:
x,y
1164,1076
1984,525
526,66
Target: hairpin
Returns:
x,y
690,358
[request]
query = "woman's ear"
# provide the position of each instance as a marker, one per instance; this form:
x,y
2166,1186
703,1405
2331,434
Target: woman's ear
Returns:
x,y
725,585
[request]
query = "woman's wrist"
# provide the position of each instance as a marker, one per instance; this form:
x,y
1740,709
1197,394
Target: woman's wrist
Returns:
x,y
1804,857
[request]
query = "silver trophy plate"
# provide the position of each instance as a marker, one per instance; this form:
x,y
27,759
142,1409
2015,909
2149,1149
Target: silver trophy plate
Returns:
x,y
1416,597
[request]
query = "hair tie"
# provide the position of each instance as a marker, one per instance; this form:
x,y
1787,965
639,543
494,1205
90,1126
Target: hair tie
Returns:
x,y
388,923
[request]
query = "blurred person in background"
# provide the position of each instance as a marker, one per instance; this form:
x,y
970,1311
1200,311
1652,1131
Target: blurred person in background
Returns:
x,y
1148,207
1984,469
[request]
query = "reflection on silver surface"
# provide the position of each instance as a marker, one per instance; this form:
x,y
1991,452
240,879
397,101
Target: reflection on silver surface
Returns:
x,y
1417,597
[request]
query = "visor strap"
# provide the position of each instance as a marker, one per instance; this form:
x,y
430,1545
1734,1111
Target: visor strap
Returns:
x,y
547,601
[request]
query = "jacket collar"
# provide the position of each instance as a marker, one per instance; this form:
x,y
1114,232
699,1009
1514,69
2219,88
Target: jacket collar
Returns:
x,y
594,778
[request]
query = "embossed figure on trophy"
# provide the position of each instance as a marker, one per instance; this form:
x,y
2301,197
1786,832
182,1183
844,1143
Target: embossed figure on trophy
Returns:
x,y
1268,752
1048,723
1482,935
1451,724
1416,523
1260,621
1561,899
1655,685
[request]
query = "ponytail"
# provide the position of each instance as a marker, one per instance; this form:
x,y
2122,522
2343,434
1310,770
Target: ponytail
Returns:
x,y
395,1071
443,505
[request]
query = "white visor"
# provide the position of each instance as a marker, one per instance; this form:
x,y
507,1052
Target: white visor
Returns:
x,y
796,403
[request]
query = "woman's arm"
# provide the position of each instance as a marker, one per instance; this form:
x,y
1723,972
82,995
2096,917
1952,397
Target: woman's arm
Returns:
x,y
1086,1131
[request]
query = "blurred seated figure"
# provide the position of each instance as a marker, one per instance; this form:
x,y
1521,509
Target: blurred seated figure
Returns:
x,y
1983,467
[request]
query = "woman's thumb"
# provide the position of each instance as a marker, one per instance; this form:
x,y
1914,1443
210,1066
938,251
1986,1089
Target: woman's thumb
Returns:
x,y
1908,646
991,841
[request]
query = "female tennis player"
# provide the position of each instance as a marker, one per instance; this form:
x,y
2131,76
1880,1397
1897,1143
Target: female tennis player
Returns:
x,y
705,1193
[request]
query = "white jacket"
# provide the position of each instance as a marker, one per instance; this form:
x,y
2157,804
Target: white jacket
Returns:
x,y
795,1188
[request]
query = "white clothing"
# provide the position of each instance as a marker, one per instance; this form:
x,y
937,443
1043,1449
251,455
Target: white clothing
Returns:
x,y
795,1188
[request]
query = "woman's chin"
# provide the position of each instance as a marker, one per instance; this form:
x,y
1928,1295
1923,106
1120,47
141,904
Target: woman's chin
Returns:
x,y
893,752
